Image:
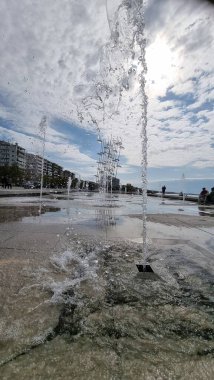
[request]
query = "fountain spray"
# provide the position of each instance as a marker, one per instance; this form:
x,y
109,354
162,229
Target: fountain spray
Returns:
x,y
135,11
42,128
69,185
125,70
119,96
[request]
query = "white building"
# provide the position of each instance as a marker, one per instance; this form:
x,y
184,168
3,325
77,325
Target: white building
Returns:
x,y
34,167
12,154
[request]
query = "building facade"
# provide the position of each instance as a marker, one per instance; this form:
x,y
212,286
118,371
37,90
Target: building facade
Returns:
x,y
34,168
12,154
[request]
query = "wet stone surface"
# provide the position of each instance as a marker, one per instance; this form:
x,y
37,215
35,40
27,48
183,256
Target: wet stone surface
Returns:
x,y
148,328
75,306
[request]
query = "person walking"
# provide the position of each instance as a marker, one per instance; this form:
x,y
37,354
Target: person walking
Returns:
x,y
163,190
210,197
203,195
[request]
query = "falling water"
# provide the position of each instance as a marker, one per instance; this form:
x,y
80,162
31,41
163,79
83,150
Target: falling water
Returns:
x,y
77,187
129,17
183,186
117,103
69,186
42,130
113,325
183,191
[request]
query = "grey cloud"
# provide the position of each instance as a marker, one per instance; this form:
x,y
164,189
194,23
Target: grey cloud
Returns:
x,y
79,13
199,37
155,16
173,20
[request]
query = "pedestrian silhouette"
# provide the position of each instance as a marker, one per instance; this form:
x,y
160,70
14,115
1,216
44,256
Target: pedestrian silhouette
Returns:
x,y
163,190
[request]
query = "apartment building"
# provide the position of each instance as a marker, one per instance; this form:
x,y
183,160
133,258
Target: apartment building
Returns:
x,y
57,170
12,154
47,168
34,167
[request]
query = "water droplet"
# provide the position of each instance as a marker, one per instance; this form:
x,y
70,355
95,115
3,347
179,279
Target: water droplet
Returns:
x,y
126,86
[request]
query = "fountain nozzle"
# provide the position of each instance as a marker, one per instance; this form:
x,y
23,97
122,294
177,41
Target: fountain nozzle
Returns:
x,y
146,273
144,268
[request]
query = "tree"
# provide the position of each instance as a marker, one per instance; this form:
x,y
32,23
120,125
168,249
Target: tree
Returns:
x,y
74,183
13,172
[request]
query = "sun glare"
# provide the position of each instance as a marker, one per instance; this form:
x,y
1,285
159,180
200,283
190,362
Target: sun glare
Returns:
x,y
161,62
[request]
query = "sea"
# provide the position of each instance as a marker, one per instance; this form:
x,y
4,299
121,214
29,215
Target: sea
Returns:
x,y
187,186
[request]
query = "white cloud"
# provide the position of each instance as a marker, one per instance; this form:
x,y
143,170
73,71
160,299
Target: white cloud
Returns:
x,y
50,56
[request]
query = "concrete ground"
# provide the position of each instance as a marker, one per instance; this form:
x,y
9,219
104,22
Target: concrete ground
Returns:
x,y
28,244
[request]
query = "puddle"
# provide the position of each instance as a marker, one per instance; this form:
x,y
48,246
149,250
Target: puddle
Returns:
x,y
14,214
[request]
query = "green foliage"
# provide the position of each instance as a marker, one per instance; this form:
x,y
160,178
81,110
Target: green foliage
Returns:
x,y
14,173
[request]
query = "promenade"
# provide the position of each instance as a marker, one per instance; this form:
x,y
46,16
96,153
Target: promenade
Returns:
x,y
18,191
71,296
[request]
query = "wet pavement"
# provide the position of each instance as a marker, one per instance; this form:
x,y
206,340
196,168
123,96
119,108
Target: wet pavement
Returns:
x,y
74,306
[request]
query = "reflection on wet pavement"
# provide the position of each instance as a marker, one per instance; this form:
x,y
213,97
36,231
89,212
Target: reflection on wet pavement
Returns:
x,y
12,213
74,306
106,308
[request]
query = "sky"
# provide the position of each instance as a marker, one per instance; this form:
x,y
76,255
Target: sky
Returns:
x,y
74,62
